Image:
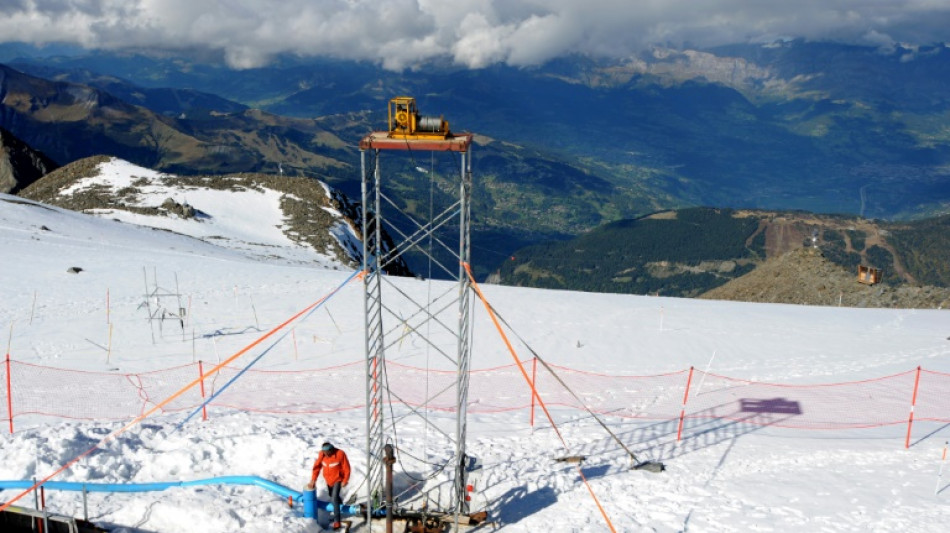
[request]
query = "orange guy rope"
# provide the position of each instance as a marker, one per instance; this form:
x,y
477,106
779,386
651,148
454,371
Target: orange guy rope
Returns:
x,y
534,391
112,436
511,350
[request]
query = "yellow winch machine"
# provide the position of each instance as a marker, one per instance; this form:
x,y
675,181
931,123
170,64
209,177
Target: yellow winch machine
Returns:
x,y
405,122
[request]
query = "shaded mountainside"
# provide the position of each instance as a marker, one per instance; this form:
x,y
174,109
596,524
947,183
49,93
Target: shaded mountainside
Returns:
x,y
20,165
923,249
314,214
692,251
680,253
70,121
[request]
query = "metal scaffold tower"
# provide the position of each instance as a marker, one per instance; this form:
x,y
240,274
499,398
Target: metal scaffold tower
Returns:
x,y
440,321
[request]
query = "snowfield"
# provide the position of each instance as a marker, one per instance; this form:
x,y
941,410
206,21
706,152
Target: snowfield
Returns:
x,y
722,476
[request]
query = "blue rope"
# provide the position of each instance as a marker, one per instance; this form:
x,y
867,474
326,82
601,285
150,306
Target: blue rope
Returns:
x,y
262,354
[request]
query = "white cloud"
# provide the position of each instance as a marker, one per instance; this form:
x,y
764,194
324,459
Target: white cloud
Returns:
x,y
474,33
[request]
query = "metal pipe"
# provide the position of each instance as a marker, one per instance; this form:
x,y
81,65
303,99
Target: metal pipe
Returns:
x,y
276,488
36,500
390,460
310,503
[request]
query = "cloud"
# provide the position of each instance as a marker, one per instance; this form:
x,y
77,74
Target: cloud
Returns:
x,y
475,33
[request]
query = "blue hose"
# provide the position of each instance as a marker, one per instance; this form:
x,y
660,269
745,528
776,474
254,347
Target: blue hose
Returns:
x,y
280,490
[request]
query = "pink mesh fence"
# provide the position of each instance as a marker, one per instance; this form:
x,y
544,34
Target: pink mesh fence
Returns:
x,y
326,390
859,404
38,390
933,399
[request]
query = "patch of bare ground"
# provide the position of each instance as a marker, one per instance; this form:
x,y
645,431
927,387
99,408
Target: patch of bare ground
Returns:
x,y
805,277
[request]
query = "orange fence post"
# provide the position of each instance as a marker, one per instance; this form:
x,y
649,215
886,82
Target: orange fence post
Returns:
x,y
689,380
534,386
9,395
204,408
913,402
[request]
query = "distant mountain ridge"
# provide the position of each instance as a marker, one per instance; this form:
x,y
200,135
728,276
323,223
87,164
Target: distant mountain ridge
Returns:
x,y
822,127
164,101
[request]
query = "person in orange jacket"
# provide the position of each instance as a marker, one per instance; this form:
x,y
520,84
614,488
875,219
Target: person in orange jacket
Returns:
x,y
336,472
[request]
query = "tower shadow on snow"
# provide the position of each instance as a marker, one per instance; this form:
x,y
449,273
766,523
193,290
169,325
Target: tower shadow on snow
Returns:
x,y
519,502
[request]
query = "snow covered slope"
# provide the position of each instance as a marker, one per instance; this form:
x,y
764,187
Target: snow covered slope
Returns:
x,y
298,220
728,476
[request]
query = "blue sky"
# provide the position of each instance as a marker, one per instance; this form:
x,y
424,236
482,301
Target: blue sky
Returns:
x,y
403,33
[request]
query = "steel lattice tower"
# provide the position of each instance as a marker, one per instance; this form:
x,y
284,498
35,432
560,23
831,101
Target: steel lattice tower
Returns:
x,y
385,300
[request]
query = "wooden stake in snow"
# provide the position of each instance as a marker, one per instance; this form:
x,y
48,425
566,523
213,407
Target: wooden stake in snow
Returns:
x,y
109,350
943,461
33,308
9,386
9,394
256,322
708,366
405,331
334,321
293,334
10,337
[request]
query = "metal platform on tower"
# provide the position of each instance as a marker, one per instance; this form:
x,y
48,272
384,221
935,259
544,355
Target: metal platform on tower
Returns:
x,y
380,140
439,322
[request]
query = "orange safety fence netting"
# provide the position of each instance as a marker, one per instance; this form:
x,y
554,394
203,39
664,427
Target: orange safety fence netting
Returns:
x,y
870,403
73,394
933,397
76,394
325,390
655,397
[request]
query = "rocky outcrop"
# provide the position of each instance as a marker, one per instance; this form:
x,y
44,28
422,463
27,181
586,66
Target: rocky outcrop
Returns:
x,y
20,165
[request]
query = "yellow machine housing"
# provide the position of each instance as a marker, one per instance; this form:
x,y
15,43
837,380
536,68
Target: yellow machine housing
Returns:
x,y
405,122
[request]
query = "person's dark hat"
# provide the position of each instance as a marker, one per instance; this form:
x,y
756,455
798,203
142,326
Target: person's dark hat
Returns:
x,y
327,447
